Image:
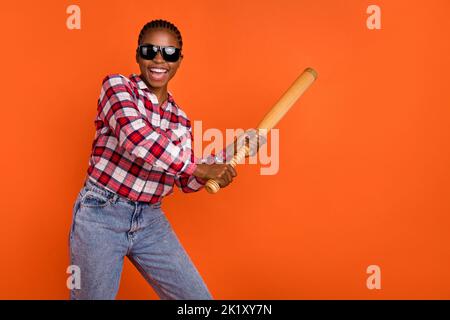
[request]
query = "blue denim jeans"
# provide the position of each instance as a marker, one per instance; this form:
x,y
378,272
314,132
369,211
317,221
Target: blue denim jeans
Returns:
x,y
107,227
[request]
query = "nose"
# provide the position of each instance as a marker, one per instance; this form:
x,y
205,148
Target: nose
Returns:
x,y
158,57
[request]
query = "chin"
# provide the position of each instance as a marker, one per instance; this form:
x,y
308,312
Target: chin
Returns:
x,y
156,85
151,83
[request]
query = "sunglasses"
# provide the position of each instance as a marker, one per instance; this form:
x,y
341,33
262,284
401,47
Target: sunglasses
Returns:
x,y
149,51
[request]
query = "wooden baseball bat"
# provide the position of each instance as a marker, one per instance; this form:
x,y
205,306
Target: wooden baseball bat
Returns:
x,y
270,120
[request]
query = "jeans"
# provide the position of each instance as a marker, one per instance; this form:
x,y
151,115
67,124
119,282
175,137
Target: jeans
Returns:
x,y
107,227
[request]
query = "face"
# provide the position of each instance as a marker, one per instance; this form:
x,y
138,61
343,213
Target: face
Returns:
x,y
161,37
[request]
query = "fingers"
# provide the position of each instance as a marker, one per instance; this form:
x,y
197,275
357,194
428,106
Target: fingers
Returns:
x,y
230,173
227,175
232,170
222,183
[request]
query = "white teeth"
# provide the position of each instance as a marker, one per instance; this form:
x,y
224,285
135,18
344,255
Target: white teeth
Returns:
x,y
158,70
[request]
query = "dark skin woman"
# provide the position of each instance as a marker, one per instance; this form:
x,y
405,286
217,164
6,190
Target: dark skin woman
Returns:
x,y
132,167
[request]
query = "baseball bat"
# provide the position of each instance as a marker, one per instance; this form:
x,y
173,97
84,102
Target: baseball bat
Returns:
x,y
270,120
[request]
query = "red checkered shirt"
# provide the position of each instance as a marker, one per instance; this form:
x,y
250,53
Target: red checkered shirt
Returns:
x,y
141,149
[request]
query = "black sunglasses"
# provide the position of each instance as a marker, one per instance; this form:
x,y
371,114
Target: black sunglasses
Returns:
x,y
149,51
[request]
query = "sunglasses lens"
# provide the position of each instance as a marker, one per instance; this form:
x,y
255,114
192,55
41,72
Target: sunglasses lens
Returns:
x,y
147,52
169,50
171,54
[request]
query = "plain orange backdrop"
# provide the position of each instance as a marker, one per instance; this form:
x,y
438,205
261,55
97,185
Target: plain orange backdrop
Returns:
x,y
364,155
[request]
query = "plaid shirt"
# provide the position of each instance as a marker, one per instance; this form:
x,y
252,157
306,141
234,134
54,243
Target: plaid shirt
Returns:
x,y
141,149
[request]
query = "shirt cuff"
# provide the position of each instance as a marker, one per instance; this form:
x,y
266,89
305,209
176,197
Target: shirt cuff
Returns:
x,y
189,168
201,180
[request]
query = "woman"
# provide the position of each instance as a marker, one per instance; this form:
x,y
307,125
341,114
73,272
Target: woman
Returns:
x,y
142,148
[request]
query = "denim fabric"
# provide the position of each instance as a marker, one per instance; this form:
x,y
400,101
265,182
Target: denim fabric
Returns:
x,y
107,227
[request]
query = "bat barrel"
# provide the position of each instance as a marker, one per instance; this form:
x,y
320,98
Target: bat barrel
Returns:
x,y
287,100
295,91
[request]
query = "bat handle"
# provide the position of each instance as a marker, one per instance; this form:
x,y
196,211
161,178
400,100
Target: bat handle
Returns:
x,y
212,186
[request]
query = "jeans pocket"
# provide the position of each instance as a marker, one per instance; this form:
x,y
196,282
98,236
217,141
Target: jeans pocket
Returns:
x,y
92,199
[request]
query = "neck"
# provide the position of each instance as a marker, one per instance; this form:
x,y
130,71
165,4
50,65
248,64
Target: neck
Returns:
x,y
160,92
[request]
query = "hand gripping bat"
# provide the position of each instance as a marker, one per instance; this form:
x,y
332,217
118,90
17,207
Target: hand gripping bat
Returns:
x,y
270,120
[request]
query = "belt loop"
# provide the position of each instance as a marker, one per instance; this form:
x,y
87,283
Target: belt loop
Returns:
x,y
155,205
115,198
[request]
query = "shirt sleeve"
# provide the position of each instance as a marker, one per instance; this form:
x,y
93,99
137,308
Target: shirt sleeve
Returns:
x,y
117,107
190,183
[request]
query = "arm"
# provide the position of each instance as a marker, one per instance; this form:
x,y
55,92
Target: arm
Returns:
x,y
192,183
189,184
222,173
117,107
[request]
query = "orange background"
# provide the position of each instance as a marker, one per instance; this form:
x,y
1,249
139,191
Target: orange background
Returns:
x,y
364,157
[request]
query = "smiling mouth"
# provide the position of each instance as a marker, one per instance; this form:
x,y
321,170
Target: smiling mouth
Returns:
x,y
158,74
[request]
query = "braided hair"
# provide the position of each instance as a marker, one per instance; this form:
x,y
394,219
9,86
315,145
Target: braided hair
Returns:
x,y
160,24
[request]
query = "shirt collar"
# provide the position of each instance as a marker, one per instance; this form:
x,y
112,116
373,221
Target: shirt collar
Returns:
x,y
141,85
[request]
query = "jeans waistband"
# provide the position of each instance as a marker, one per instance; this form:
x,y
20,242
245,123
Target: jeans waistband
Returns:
x,y
91,185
